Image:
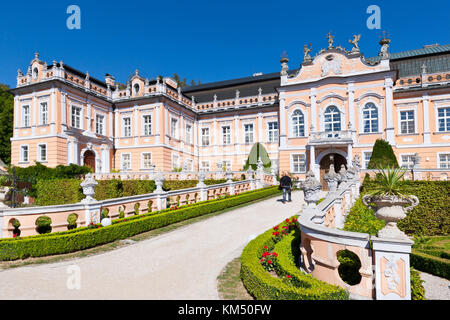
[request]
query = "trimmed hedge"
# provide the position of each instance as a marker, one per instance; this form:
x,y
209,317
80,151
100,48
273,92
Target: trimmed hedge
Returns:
x,y
427,263
61,191
362,219
260,284
83,238
431,217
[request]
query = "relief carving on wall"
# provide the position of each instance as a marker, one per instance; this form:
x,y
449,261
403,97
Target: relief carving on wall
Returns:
x,y
393,276
331,64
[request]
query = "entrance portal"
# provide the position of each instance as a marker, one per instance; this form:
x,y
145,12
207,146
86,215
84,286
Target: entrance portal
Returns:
x,y
89,159
332,158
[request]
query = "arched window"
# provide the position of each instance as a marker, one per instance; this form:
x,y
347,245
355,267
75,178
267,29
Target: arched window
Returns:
x,y
298,124
136,89
370,118
332,119
35,73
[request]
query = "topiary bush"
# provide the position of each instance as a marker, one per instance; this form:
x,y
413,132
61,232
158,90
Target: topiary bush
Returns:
x,y
43,224
72,221
382,155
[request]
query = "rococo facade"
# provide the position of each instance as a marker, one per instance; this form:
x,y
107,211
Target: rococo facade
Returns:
x,y
335,103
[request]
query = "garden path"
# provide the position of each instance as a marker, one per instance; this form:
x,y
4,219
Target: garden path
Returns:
x,y
181,264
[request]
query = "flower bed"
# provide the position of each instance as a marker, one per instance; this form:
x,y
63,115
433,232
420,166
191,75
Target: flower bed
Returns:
x,y
290,283
88,237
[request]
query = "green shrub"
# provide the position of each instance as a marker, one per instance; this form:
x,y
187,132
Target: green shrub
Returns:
x,y
362,219
349,265
262,285
43,224
108,189
417,289
61,191
382,155
72,221
105,213
427,263
83,238
136,187
16,223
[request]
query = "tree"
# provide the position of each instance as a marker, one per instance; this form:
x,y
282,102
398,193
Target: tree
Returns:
x,y
258,151
183,83
382,155
6,123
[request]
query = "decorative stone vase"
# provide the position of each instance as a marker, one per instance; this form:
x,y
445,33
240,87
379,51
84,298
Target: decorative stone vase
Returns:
x,y
3,192
351,173
391,209
159,180
343,174
229,176
88,186
311,189
332,178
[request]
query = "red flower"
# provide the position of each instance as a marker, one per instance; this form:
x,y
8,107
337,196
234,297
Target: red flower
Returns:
x,y
269,261
287,220
265,247
288,276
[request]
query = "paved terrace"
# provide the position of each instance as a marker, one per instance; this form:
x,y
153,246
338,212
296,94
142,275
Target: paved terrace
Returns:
x,y
181,264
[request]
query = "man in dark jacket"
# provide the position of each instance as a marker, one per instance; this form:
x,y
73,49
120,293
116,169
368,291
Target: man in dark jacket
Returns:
x,y
286,185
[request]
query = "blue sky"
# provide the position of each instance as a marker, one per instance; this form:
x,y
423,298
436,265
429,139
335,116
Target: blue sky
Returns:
x,y
206,40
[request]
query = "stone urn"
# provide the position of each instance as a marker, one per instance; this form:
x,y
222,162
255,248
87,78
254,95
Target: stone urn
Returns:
x,y
311,189
391,208
3,192
332,178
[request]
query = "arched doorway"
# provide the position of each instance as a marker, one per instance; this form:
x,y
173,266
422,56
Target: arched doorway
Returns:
x,y
89,159
332,158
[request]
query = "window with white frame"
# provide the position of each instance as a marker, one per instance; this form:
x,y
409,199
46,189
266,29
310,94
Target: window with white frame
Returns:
x,y
273,131
298,124
76,117
127,127
407,122
146,160
126,161
188,137
204,165
24,154
42,152
99,124
443,119
444,160
26,116
189,165
226,164
43,113
226,135
175,161
332,119
147,124
370,118
174,128
298,163
407,161
205,136
248,133
367,156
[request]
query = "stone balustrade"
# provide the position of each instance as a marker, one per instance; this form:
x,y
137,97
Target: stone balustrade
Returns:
x,y
384,261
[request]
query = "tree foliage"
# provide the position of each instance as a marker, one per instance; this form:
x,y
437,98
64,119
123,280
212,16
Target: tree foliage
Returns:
x,y
258,151
382,155
6,123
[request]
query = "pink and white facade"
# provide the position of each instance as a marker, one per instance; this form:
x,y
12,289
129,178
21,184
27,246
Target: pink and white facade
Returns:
x,y
336,103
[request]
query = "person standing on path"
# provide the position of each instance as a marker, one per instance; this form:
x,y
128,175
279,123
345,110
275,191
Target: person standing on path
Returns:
x,y
286,186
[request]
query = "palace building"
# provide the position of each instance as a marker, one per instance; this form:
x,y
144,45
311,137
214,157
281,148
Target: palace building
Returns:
x,y
337,102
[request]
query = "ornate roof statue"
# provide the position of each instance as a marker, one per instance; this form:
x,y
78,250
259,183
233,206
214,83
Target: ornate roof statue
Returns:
x,y
306,51
384,42
355,41
330,40
284,66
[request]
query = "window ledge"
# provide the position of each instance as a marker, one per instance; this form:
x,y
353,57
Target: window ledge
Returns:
x,y
441,132
369,133
408,134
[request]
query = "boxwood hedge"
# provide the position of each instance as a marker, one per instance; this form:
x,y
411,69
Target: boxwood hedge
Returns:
x,y
85,237
262,285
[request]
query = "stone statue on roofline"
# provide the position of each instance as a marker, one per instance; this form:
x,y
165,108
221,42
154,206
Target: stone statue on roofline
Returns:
x,y
355,41
306,51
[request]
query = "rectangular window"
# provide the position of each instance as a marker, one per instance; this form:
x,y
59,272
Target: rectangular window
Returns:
x,y
205,136
127,127
126,161
146,160
147,124
226,135
248,133
298,163
174,128
175,162
444,161
408,161
99,124
226,164
25,116
42,152
204,166
407,122
43,113
23,153
189,165
76,117
444,119
188,137
273,131
367,156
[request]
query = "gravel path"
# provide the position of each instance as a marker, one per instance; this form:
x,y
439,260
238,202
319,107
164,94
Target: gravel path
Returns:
x,y
436,288
181,264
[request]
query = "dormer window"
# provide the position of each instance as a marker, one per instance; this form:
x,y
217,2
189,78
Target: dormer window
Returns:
x,y
35,73
136,89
